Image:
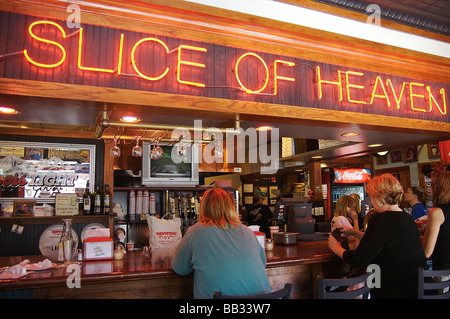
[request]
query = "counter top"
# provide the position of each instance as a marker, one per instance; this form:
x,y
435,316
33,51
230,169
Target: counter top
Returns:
x,y
134,267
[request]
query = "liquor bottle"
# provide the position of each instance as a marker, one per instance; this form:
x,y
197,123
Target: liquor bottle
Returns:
x,y
87,201
97,199
107,200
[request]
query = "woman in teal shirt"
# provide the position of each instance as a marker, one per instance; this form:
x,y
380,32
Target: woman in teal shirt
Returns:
x,y
224,254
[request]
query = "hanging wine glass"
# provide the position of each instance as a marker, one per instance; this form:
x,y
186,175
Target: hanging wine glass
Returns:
x,y
156,152
137,149
115,150
181,147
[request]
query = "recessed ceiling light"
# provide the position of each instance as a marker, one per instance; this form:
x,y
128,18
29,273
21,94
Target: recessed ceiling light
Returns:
x,y
130,119
317,156
350,134
382,153
374,145
264,128
8,110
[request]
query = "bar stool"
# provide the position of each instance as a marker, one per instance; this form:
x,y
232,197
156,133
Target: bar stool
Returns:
x,y
430,289
284,293
323,283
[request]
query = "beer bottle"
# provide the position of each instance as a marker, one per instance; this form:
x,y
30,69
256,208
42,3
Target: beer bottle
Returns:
x,y
107,200
87,201
97,198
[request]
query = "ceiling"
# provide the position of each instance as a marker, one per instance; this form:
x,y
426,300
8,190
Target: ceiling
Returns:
x,y
429,15
82,116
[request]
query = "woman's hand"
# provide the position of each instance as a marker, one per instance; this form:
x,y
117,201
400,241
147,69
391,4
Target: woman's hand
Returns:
x,y
335,246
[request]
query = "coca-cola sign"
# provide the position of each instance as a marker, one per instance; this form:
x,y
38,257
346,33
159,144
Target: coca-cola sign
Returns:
x,y
352,175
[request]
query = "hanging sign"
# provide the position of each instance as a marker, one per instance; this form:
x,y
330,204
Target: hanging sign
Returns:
x,y
107,57
351,176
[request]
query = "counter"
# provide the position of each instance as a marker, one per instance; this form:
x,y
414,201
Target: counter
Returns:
x,y
133,277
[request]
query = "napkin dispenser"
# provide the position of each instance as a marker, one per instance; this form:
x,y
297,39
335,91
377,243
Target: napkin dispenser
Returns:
x,y
98,246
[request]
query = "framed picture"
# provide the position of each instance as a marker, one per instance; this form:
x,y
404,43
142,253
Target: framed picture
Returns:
x,y
410,154
396,156
248,200
434,151
273,191
23,207
264,192
247,188
382,160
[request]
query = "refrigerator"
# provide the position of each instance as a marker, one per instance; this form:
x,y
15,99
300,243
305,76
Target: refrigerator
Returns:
x,y
349,181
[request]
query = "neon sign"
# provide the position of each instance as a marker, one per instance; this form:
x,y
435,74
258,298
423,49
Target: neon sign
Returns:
x,y
272,75
352,175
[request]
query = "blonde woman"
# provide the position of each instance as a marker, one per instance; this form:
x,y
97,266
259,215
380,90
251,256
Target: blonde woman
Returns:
x,y
357,200
345,213
346,219
391,241
224,254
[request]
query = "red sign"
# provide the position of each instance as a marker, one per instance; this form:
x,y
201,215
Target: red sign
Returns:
x,y
355,175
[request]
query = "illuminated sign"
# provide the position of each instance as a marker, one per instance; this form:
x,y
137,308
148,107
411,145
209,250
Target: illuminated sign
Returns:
x,y
351,175
250,74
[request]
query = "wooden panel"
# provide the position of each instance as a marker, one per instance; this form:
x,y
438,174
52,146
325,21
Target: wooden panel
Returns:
x,y
193,103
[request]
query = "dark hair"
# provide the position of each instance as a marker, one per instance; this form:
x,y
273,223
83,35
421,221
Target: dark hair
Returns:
x,y
440,188
422,196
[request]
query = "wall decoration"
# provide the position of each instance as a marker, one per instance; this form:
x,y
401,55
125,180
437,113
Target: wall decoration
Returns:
x,y
273,192
434,151
23,207
396,156
410,154
248,200
382,160
263,191
248,188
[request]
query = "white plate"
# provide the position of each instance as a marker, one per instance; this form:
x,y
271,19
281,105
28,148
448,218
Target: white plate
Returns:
x,y
90,227
49,241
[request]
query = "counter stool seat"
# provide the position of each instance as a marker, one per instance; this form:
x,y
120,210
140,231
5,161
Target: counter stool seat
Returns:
x,y
343,283
434,284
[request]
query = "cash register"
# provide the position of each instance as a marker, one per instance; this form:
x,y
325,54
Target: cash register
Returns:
x,y
295,213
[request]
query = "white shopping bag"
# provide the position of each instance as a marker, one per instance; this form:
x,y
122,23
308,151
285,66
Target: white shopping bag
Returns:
x,y
163,233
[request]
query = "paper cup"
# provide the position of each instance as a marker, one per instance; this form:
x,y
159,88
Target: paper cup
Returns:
x,y
274,229
130,246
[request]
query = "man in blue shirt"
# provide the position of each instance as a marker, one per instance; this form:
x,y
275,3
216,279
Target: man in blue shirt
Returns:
x,y
416,197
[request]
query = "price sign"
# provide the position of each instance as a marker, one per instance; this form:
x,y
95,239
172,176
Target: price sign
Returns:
x,y
66,204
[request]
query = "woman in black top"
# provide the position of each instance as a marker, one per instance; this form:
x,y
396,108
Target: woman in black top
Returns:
x,y
436,241
391,241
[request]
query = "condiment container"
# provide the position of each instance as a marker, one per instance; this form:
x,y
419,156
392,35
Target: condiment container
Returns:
x,y
118,252
285,238
269,244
